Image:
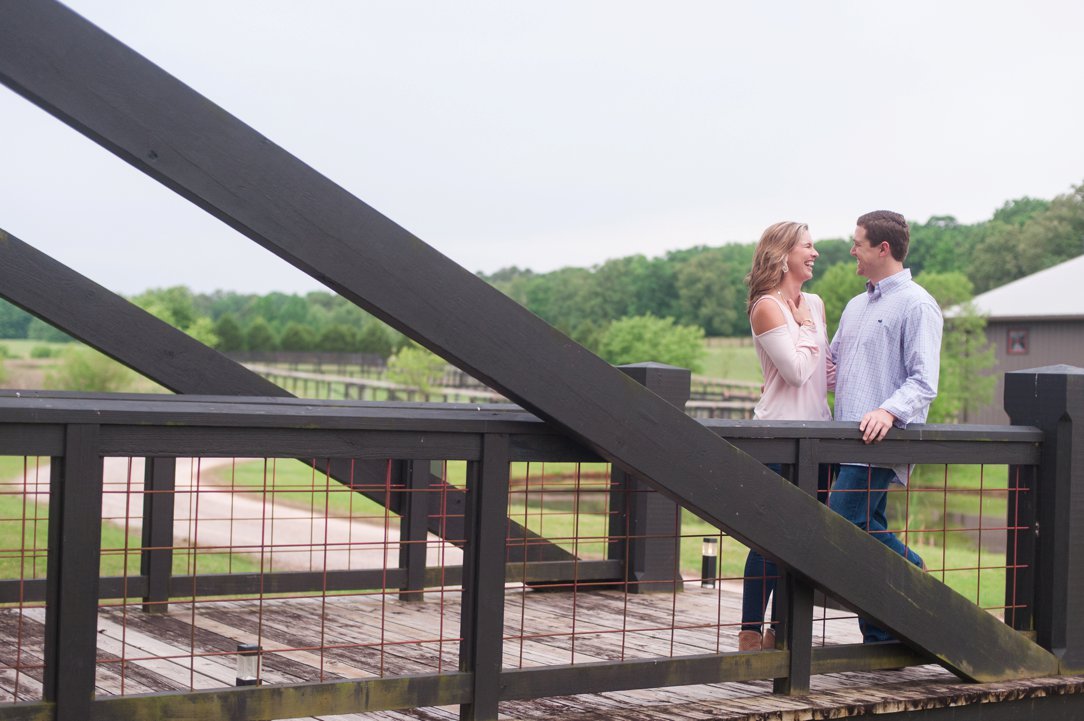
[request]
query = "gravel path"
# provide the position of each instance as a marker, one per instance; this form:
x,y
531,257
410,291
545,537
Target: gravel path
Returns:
x,y
209,514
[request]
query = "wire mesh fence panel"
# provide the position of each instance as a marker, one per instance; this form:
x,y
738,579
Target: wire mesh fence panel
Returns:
x,y
24,536
951,516
272,558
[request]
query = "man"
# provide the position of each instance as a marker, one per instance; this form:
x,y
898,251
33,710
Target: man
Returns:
x,y
887,352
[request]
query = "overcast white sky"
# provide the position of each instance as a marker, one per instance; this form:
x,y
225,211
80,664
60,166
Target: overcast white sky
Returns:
x,y
562,132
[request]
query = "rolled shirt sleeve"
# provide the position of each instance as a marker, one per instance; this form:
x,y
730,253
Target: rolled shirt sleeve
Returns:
x,y
921,354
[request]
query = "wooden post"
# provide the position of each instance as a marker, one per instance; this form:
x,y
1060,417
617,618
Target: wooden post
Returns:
x,y
1020,545
1052,398
413,528
647,523
156,558
796,595
482,624
71,611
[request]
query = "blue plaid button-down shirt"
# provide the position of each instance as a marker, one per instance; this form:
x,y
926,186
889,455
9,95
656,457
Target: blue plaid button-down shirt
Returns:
x,y
887,351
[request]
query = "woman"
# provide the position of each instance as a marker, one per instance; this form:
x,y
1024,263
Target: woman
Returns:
x,y
792,345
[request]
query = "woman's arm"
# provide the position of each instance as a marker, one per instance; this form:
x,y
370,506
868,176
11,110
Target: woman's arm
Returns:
x,y
795,361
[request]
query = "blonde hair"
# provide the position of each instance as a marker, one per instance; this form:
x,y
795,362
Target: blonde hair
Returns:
x,y
768,258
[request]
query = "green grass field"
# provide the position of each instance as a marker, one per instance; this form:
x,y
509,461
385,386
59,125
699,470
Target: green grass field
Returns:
x,y
24,530
21,347
732,359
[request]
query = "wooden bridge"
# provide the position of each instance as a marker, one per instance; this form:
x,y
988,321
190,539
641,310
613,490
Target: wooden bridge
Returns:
x,y
572,408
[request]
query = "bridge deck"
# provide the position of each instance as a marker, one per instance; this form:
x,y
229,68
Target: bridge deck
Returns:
x,y
310,639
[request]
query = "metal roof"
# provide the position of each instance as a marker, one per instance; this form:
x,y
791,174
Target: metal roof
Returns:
x,y
1053,293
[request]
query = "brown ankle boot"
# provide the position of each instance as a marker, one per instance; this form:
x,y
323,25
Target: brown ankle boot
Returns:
x,y
749,641
768,644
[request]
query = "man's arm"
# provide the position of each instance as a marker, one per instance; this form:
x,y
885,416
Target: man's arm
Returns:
x,y
922,362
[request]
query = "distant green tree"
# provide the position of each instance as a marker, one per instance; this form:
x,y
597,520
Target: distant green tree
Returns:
x,y
375,338
40,330
228,331
588,333
344,312
259,336
415,367
709,293
941,244
85,369
643,338
1028,242
203,330
966,383
177,306
948,289
997,259
833,251
1020,211
633,285
14,321
337,338
505,275
297,337
836,286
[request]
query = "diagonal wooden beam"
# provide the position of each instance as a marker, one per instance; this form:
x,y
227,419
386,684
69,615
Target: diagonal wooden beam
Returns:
x,y
136,110
125,332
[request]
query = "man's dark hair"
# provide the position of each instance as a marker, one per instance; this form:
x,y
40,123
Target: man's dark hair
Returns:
x,y
884,226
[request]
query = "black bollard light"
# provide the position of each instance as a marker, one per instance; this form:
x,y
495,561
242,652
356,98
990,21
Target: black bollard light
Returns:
x,y
248,664
709,563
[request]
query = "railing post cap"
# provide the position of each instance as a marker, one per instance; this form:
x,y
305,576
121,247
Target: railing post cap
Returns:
x,y
652,364
1060,369
670,382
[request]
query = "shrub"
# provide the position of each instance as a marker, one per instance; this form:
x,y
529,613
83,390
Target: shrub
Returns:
x,y
643,338
415,367
84,369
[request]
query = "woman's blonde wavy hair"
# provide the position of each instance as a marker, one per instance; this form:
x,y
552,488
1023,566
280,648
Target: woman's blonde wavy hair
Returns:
x,y
772,249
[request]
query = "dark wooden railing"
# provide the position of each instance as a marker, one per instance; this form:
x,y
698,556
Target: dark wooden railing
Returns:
x,y
78,431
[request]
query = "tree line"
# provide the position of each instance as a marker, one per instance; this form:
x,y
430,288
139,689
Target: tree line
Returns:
x,y
704,286
699,289
231,322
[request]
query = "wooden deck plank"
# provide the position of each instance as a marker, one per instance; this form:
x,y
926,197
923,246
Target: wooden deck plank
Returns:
x,y
403,648
287,624
358,632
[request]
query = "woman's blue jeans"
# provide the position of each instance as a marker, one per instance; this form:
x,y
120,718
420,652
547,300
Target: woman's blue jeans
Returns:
x,y
762,574
860,494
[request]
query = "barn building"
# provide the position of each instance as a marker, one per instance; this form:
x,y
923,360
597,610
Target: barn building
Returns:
x,y
1033,322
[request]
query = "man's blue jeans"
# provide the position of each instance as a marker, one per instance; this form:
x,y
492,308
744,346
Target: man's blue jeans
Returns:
x,y
859,494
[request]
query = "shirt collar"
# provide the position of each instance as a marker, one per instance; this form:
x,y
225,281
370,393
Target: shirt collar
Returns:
x,y
887,285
